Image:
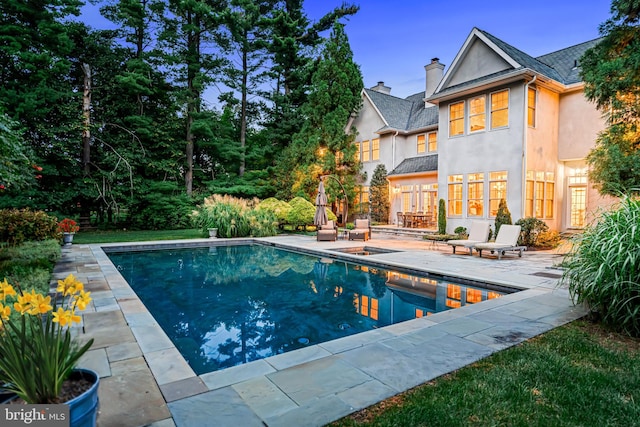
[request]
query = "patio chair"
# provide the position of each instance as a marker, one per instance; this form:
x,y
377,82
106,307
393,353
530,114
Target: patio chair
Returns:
x,y
362,230
506,240
327,232
478,233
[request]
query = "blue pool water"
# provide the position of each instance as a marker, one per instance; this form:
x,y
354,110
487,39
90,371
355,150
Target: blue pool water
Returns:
x,y
227,305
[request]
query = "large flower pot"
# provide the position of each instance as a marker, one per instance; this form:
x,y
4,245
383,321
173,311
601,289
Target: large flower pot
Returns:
x,y
67,238
84,408
213,232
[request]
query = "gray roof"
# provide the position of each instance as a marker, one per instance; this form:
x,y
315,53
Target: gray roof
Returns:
x,y
404,114
416,164
559,66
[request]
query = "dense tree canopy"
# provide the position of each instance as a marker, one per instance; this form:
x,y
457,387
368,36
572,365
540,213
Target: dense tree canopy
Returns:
x,y
118,118
611,71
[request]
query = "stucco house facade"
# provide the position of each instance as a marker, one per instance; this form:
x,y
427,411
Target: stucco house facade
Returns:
x,y
498,124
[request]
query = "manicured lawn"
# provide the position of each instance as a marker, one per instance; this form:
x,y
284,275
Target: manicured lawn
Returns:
x,y
576,375
84,237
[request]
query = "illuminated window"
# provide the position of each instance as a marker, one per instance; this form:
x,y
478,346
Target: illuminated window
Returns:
x,y
373,312
477,114
499,109
497,190
578,206
366,306
540,194
432,141
531,107
358,148
456,118
493,295
419,313
422,143
475,202
455,195
365,151
364,194
375,149
407,198
528,203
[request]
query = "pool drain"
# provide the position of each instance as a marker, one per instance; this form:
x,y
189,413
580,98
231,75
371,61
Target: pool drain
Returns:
x,y
303,340
344,326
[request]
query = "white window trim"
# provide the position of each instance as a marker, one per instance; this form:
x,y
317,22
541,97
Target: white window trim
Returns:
x,y
490,121
464,117
485,115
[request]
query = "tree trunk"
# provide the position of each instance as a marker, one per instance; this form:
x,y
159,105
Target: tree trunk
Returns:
x,y
86,114
243,114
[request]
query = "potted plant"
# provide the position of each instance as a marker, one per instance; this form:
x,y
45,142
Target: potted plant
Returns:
x,y
38,355
68,228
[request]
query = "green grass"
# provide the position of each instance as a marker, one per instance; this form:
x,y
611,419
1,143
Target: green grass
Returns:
x,y
576,375
29,264
115,236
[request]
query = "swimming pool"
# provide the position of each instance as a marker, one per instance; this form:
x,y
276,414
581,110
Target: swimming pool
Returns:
x,y
227,305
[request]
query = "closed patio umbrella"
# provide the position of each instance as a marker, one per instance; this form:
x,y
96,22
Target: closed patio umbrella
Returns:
x,y
320,218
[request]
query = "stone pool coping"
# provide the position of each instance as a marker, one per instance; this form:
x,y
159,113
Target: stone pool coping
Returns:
x,y
145,381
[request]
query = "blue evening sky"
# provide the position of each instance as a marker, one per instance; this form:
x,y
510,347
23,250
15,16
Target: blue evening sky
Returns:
x,y
392,41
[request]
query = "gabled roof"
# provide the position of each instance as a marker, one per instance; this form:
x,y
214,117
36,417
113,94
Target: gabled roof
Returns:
x,y
560,66
403,115
416,164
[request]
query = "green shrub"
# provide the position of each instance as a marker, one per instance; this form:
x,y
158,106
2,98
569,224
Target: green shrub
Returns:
x,y
602,269
262,223
278,207
23,225
30,264
164,207
301,213
531,229
548,239
442,217
503,216
460,231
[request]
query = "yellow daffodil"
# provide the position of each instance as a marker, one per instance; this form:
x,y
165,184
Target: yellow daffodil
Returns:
x,y
69,286
82,300
62,316
6,290
4,312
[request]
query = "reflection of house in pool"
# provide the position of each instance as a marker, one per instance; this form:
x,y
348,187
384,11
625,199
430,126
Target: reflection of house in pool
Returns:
x,y
364,250
413,297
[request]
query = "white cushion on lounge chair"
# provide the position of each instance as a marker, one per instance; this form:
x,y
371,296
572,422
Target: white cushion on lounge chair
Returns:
x,y
478,233
506,240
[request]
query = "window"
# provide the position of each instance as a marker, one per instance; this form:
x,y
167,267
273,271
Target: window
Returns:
x,y
531,107
407,198
456,118
499,109
364,194
540,194
358,147
455,195
432,141
497,190
375,149
475,202
421,143
477,114
365,151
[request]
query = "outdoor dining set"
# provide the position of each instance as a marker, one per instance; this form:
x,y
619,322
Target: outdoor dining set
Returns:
x,y
416,219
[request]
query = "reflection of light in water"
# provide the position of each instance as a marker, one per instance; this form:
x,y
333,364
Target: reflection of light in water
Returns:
x,y
180,264
303,340
119,267
344,326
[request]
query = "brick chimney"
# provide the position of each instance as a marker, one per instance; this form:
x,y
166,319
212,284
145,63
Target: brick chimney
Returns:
x,y
380,87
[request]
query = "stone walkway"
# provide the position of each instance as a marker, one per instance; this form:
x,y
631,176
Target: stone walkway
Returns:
x,y
145,381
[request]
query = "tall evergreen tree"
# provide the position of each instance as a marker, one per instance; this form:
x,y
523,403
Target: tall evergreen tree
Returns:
x,y
323,147
379,195
611,74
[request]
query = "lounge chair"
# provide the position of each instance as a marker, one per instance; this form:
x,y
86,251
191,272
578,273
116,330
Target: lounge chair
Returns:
x,y
327,232
362,230
478,233
506,240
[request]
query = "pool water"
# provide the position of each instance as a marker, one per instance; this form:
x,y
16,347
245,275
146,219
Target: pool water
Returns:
x,y
223,306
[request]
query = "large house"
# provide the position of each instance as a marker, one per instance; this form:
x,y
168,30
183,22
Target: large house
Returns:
x,y
498,124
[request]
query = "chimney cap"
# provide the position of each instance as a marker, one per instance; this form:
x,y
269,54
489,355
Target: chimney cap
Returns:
x,y
434,60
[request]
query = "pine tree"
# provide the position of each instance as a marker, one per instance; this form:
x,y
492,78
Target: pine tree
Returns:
x,y
503,216
379,195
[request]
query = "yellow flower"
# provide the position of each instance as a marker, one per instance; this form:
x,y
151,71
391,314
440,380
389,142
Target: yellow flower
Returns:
x,y
5,312
24,303
62,316
82,300
69,286
6,290
41,305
